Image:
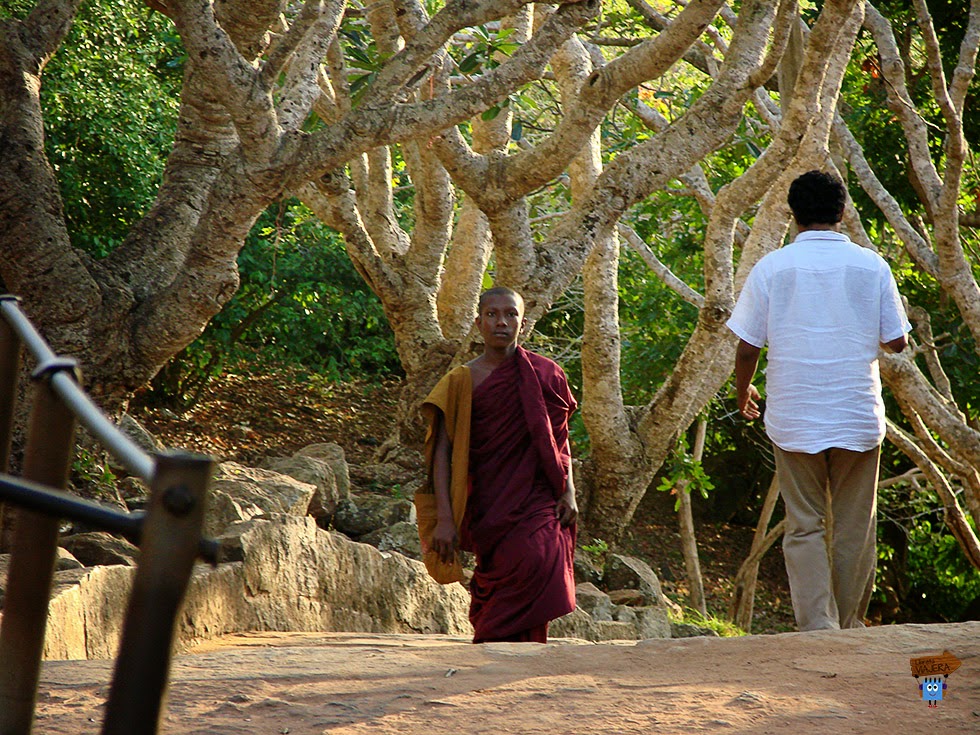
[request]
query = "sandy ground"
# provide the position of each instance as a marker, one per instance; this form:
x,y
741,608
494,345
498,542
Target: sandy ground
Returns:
x,y
347,684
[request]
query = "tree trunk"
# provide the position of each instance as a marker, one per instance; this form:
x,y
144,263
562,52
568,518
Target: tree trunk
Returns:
x,y
743,597
689,541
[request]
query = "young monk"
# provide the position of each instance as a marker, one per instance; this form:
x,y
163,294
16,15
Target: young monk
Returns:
x,y
500,481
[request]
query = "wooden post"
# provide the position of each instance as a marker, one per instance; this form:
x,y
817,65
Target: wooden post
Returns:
x,y
47,460
10,356
743,600
169,547
689,542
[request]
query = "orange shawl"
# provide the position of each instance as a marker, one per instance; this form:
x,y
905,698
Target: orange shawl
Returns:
x,y
452,396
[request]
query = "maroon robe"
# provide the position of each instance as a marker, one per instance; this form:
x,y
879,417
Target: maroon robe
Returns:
x,y
518,464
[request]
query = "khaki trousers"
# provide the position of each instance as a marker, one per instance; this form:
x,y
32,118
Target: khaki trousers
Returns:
x,y
829,546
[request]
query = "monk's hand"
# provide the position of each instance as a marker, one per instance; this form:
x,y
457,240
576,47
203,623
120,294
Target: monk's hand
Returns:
x,y
445,540
567,509
747,405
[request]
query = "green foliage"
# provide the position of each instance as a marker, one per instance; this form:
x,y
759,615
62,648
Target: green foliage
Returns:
x,y
595,552
952,337
598,548
655,327
723,627
486,49
362,55
682,473
933,577
91,476
301,302
110,99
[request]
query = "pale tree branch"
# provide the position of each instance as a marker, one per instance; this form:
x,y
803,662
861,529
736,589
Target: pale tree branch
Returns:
x,y
700,58
934,63
911,476
513,242
372,172
528,170
662,272
900,102
782,28
301,87
247,101
689,545
953,514
951,460
804,128
907,382
768,110
743,597
603,409
429,40
334,101
966,67
47,25
366,127
651,164
914,242
433,206
694,178
465,264
705,362
472,241
371,175
286,45
333,201
923,328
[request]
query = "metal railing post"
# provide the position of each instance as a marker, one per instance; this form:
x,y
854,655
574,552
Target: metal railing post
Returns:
x,y
47,460
171,534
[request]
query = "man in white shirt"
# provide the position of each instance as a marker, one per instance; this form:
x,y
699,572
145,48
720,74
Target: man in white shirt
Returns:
x,y
824,306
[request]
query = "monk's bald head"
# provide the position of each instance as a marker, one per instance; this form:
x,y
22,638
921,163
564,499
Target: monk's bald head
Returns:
x,y
500,291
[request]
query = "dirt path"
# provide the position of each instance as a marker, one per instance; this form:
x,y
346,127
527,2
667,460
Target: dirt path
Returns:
x,y
353,684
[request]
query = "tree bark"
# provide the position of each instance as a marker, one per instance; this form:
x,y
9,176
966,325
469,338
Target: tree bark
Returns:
x,y
685,518
743,597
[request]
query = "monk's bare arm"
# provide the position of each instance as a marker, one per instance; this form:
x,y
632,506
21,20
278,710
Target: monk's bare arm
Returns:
x,y
444,538
567,508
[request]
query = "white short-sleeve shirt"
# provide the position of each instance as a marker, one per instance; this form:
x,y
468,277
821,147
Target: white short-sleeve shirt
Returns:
x,y
823,304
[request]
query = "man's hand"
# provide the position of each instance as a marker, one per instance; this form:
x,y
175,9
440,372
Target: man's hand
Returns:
x,y
747,405
445,541
567,509
746,361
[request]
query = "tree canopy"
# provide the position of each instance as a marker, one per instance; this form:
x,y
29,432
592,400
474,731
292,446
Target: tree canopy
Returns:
x,y
156,160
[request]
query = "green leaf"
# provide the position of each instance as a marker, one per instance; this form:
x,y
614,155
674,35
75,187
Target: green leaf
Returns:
x,y
470,63
360,85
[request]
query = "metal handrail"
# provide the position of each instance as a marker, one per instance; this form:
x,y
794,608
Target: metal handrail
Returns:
x,y
40,499
169,535
63,373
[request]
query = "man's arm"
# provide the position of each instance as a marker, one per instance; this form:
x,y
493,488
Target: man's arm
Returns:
x,y
444,538
746,362
567,509
898,344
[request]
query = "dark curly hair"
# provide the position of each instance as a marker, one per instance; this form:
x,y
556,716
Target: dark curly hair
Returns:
x,y
817,198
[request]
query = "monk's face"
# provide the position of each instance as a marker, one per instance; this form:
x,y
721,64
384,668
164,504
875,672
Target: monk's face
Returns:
x,y
500,320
